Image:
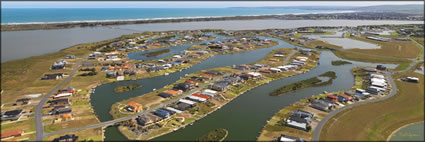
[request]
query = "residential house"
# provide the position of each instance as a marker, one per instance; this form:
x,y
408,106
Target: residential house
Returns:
x,y
322,105
54,76
61,111
286,138
11,115
147,119
297,121
162,113
164,95
186,86
219,86
134,107
67,138
16,133
64,101
111,74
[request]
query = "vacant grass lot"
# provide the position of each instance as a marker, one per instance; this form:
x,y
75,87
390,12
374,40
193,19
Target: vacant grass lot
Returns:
x,y
94,134
376,121
403,49
368,58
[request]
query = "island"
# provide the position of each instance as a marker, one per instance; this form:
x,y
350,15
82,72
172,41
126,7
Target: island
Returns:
x,y
340,63
321,80
156,53
216,135
122,89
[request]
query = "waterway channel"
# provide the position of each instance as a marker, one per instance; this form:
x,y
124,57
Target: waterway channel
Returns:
x,y
244,116
39,42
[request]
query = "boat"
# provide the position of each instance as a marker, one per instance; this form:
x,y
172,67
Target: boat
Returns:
x,y
166,74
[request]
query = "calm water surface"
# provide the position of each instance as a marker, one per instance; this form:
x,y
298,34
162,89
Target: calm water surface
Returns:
x,y
413,132
22,44
245,115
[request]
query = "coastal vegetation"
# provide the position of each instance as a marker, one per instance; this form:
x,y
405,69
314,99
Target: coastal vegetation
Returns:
x,y
340,62
215,135
126,88
308,83
406,107
156,53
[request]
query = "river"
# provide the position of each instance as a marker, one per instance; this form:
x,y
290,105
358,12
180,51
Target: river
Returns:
x,y
22,44
244,116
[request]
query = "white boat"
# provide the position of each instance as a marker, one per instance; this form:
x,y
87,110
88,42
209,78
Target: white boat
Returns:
x,y
166,74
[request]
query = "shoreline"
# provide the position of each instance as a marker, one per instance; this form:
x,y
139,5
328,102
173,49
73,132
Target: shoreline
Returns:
x,y
398,129
341,15
171,18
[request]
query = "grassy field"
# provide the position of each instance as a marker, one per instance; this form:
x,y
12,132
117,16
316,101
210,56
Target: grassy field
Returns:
x,y
420,40
94,134
376,121
401,49
214,135
315,43
368,58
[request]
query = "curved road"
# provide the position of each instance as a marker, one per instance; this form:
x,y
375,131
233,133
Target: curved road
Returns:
x,y
393,91
39,129
112,122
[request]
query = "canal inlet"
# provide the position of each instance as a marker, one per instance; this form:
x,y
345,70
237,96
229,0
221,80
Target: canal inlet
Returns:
x,y
243,117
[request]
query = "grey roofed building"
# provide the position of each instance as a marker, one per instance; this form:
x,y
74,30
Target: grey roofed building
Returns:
x,y
183,106
321,105
164,95
220,85
285,138
61,111
298,118
59,101
52,76
304,114
67,138
11,115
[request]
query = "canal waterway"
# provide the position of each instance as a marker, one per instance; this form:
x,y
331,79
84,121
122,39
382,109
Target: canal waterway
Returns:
x,y
244,116
22,44
173,49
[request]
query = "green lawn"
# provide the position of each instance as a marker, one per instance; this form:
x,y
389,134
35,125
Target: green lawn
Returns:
x,y
376,121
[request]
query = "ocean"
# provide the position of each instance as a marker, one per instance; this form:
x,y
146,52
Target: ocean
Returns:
x,y
44,15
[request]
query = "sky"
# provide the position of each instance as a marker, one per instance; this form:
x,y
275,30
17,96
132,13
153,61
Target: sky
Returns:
x,y
191,4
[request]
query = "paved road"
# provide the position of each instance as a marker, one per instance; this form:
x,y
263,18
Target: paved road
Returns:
x,y
286,61
38,115
393,91
112,122
322,122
